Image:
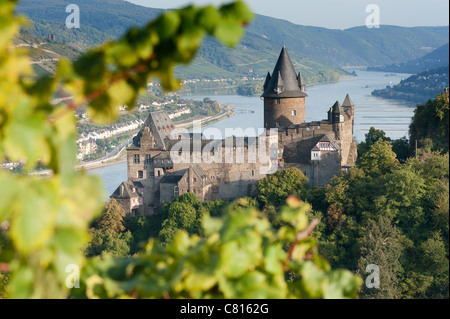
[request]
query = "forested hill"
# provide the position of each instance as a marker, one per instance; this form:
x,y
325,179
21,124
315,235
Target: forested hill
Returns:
x,y
358,46
433,60
419,87
312,49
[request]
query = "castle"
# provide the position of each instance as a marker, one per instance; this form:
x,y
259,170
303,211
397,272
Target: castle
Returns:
x,y
164,163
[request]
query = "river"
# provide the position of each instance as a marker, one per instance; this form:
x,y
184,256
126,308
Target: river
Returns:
x,y
391,116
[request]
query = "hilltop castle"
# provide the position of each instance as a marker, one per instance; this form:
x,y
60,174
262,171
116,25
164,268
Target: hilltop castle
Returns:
x,y
164,163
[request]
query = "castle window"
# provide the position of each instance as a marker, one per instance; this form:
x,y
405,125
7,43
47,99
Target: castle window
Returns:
x,y
148,159
294,113
195,179
278,101
137,159
277,124
140,174
215,190
253,173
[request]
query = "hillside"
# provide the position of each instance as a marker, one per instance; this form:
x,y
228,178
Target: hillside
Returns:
x,y
433,60
44,53
312,49
418,88
358,46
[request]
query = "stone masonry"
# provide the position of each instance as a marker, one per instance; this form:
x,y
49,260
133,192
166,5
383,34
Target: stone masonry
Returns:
x,y
165,163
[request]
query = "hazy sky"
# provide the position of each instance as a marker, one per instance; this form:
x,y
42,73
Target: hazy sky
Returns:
x,y
335,14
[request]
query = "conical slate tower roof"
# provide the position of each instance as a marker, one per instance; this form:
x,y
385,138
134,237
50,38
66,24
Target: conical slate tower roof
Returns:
x,y
348,102
337,108
284,82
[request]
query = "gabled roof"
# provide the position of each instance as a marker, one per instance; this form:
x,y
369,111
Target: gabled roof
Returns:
x,y
284,82
138,184
300,152
203,178
161,127
171,179
125,190
162,160
326,138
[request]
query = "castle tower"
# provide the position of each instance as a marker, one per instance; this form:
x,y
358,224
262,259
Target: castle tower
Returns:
x,y
284,95
348,104
349,107
337,117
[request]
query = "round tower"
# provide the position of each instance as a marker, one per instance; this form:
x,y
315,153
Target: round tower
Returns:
x,y
284,95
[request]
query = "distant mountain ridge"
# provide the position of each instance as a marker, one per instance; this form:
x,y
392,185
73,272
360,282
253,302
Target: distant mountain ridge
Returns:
x,y
433,60
313,50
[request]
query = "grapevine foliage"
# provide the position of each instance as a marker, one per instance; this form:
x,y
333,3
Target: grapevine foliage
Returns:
x,y
241,256
44,221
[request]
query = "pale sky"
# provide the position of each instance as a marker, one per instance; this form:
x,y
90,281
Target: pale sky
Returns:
x,y
335,14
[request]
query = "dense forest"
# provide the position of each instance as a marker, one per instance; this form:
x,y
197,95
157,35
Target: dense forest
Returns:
x,y
391,209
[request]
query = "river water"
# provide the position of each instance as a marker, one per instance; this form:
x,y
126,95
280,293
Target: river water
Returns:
x,y
391,116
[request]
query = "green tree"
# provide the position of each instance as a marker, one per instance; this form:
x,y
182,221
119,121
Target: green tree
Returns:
x,y
370,138
381,246
431,120
379,159
401,148
111,219
180,216
275,188
101,243
435,265
109,235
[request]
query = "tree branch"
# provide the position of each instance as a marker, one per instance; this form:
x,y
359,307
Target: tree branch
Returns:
x,y
299,237
140,67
